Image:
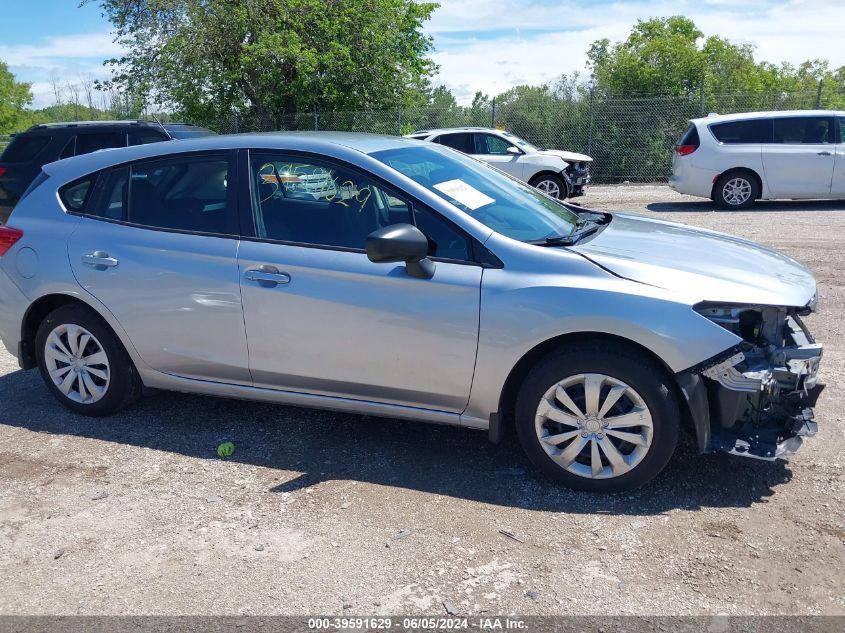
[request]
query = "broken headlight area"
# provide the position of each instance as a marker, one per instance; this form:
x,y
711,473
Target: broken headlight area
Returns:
x,y
760,393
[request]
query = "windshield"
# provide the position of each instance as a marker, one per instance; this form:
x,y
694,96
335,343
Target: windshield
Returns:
x,y
505,205
513,138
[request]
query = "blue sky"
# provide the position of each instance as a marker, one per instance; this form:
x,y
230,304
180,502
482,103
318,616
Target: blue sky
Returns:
x,y
488,45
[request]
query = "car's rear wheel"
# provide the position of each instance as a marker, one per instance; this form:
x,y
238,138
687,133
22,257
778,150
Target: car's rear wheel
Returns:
x,y
736,190
550,185
83,363
598,416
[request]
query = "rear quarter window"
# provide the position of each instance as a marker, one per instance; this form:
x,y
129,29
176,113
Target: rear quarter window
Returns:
x,y
75,195
690,137
24,148
743,132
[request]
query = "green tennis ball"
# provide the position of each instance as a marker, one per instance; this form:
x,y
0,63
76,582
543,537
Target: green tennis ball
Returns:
x,y
226,449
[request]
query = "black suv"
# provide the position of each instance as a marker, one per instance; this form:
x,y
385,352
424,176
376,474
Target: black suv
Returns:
x,y
48,142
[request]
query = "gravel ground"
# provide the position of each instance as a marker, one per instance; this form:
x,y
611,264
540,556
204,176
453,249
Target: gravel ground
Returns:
x,y
325,513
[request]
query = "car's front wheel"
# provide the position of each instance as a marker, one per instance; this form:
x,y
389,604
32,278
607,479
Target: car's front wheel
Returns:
x,y
550,185
83,363
598,416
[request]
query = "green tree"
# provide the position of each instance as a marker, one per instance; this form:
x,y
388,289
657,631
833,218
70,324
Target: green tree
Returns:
x,y
14,97
270,59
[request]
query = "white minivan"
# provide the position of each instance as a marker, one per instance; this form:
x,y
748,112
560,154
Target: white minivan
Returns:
x,y
736,159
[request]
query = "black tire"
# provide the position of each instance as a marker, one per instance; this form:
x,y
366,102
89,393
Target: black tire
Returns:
x,y
727,183
537,181
124,384
620,362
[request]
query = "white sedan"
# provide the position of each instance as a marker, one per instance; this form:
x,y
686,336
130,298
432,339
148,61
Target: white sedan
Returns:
x,y
557,173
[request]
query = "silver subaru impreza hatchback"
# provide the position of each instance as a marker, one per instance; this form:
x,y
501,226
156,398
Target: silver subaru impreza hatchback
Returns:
x,y
391,277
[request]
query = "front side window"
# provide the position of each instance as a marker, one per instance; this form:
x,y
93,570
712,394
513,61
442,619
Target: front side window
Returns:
x,y
491,144
743,132
314,202
91,142
505,205
184,193
803,130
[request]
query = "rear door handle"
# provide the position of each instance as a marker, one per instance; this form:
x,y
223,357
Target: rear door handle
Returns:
x,y
99,259
824,153
267,275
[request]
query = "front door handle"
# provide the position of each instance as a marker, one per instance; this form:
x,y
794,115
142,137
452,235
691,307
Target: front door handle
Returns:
x,y
267,275
825,153
99,259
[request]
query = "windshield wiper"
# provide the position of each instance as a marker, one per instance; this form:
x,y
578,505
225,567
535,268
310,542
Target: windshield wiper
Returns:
x,y
567,240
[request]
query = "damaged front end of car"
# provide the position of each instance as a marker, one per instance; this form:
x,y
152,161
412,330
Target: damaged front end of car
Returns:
x,y
756,398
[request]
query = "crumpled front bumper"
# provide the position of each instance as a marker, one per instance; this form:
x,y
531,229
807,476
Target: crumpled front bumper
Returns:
x,y
758,406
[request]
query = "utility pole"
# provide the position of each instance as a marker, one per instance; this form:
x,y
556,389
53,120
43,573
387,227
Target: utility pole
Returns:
x,y
819,95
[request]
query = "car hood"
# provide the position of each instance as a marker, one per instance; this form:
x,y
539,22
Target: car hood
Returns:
x,y
700,264
569,157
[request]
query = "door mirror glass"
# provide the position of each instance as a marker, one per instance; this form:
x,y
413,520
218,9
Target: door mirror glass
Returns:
x,y
401,243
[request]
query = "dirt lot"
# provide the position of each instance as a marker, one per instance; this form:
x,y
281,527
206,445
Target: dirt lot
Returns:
x,y
326,513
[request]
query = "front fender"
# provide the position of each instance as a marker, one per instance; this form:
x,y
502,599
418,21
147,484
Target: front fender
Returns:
x,y
520,312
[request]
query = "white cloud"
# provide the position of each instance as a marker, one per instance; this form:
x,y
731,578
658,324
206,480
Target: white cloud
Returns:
x,y
512,42
66,57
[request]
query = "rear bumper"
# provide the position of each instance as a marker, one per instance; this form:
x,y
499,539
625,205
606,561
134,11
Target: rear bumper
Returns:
x,y
13,304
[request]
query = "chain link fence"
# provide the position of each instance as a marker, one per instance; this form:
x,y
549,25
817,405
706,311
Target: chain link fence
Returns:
x,y
630,139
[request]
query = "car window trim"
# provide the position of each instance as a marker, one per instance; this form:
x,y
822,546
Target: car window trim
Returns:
x,y
95,197
247,214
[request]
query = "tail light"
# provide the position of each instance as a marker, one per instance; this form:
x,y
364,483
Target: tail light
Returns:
x,y
685,150
2,170
8,237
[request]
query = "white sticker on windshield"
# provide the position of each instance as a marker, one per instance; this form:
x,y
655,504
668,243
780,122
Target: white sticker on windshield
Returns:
x,y
466,194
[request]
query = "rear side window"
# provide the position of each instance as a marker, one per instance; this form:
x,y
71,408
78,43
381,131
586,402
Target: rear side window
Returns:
x,y
185,194
803,130
75,195
24,148
740,132
87,143
462,142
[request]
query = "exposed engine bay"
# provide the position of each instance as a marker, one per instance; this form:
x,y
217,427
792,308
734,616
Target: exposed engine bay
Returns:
x,y
760,393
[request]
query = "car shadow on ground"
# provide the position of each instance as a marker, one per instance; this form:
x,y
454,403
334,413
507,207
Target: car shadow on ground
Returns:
x,y
704,206
315,446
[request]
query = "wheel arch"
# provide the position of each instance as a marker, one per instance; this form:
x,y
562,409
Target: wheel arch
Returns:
x,y
557,174
504,418
736,170
43,306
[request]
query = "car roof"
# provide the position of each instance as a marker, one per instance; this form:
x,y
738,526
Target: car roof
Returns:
x,y
444,130
332,144
742,116
86,124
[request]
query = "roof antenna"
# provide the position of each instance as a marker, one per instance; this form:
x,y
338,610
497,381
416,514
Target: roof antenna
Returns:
x,y
163,129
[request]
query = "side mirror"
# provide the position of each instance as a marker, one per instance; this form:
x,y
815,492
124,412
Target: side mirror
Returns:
x,y
401,243
513,149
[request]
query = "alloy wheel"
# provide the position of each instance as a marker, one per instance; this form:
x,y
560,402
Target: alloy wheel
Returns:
x,y
77,363
736,191
549,187
594,426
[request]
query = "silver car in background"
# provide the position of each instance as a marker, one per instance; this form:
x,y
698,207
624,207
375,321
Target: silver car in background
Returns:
x,y
392,277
